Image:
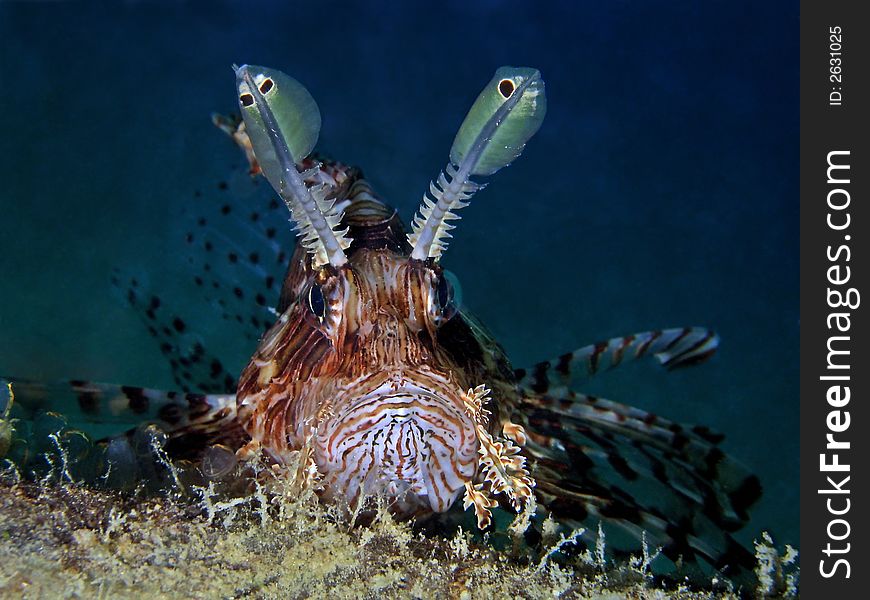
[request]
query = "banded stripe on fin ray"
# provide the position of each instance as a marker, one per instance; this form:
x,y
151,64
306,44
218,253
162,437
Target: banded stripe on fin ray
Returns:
x,y
595,459
672,348
191,421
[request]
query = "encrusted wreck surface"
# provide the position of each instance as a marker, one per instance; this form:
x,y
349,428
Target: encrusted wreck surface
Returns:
x,y
67,541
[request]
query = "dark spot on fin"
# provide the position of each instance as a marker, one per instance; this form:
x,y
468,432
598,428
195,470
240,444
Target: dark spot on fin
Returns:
x,y
88,401
136,396
563,367
541,382
621,466
745,496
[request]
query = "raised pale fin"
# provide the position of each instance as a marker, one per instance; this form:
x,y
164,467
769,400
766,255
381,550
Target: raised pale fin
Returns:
x,y
293,112
283,123
505,115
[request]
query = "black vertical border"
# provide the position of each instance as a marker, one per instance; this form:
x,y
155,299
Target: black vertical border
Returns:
x,y
824,129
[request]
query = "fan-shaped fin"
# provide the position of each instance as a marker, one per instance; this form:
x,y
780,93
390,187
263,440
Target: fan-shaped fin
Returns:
x,y
594,459
193,366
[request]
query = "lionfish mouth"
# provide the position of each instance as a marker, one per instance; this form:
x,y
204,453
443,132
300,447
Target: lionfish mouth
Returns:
x,y
416,446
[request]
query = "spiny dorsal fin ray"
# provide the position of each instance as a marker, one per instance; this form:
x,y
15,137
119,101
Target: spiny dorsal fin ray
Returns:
x,y
672,348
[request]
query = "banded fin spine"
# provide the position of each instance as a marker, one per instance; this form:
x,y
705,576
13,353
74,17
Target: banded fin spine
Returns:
x,y
191,421
672,348
597,459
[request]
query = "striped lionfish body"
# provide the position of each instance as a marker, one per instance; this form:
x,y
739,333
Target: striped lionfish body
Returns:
x,y
356,370
380,383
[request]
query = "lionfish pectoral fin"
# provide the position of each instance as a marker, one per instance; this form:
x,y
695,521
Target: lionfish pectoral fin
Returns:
x,y
597,459
190,421
673,348
194,368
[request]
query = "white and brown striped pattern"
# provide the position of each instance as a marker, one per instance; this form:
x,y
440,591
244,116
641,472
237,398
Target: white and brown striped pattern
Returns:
x,y
405,437
367,379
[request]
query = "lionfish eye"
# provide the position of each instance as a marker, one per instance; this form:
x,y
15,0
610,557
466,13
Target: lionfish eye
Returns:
x,y
444,291
246,99
447,295
506,88
316,302
266,85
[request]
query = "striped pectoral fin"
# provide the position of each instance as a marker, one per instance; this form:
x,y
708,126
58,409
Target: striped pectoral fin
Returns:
x,y
672,348
84,404
637,443
122,436
598,459
122,405
628,526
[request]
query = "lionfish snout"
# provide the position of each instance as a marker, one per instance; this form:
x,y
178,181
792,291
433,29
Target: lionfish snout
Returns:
x,y
416,444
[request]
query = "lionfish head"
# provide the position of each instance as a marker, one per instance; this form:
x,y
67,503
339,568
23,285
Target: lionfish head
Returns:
x,y
353,369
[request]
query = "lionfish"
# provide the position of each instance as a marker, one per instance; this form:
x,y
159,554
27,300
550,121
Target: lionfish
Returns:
x,y
378,382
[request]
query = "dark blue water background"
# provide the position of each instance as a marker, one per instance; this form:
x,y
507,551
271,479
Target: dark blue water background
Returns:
x,y
661,190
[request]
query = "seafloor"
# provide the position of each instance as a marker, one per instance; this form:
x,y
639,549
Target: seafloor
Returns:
x,y
661,191
68,541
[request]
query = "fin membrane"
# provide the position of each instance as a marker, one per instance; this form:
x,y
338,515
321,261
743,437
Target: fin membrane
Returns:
x,y
193,367
598,460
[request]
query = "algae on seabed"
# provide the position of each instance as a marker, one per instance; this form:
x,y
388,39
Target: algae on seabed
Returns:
x,y
69,541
